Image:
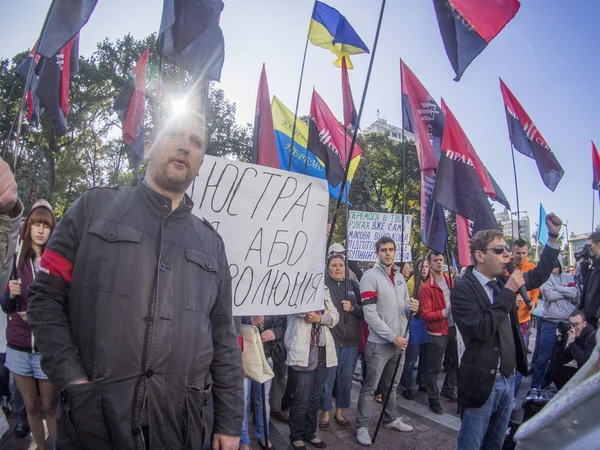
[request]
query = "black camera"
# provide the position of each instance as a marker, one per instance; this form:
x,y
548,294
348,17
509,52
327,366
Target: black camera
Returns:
x,y
564,326
584,253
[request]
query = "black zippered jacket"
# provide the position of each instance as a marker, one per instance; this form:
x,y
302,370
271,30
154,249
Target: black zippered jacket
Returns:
x,y
136,298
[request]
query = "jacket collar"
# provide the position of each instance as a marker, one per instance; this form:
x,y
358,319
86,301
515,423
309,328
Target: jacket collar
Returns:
x,y
161,205
380,267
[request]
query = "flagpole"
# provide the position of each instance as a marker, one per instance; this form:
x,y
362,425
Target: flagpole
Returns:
x,y
298,103
512,149
593,208
27,85
347,269
403,176
356,127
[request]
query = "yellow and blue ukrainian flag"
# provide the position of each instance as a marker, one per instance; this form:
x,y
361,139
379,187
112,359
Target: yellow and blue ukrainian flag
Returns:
x,y
331,30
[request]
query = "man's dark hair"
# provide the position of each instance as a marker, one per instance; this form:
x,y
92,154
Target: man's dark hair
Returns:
x,y
520,243
384,240
576,313
431,254
594,237
481,239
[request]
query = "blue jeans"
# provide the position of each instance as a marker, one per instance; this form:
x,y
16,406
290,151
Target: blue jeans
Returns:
x,y
347,357
484,427
547,341
412,353
307,389
539,322
252,389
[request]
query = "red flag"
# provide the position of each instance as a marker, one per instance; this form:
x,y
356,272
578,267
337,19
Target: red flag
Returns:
x,y
326,140
137,104
464,228
264,146
350,115
526,139
596,167
459,185
468,26
423,117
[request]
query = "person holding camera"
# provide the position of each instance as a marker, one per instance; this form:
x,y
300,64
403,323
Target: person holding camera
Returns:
x,y
560,298
590,273
575,341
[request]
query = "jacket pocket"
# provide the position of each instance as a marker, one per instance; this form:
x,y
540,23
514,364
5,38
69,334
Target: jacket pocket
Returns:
x,y
80,418
200,281
197,413
112,257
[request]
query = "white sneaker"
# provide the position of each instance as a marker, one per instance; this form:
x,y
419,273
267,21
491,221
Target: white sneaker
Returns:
x,y
398,425
362,436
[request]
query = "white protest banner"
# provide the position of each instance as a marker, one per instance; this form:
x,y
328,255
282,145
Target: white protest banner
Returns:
x,y
274,225
365,228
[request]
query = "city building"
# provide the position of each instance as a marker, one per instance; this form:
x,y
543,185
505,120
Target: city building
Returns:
x,y
381,125
576,243
511,227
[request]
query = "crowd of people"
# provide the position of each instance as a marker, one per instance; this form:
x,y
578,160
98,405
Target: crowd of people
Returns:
x,y
120,325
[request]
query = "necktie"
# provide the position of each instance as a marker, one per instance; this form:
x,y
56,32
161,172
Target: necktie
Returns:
x,y
507,342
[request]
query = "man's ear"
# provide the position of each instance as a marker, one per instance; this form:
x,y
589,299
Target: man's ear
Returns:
x,y
147,150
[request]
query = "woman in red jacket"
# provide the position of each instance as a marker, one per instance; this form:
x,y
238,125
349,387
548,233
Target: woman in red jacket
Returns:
x,y
22,358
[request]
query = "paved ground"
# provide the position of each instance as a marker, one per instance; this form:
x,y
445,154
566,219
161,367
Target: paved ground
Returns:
x,y
431,431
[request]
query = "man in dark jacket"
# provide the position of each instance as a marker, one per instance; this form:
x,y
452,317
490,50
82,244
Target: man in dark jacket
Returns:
x,y
577,345
485,310
590,294
132,312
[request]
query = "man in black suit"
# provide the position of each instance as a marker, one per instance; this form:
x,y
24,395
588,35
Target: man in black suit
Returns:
x,y
484,306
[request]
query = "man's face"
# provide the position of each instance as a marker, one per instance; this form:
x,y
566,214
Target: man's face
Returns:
x,y
386,254
578,324
437,264
520,254
595,248
175,155
573,270
493,259
556,271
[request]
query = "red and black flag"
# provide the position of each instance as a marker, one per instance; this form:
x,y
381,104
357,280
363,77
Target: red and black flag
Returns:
x,y
53,83
350,115
264,146
130,106
596,168
468,26
34,110
65,19
190,36
326,140
425,120
459,186
526,139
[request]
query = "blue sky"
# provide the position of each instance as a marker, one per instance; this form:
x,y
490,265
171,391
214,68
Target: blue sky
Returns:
x,y
548,57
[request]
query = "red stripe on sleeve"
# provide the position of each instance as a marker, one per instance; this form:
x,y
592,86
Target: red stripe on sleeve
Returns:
x,y
54,264
368,295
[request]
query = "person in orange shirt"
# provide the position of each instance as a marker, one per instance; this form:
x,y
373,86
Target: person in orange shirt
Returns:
x,y
520,250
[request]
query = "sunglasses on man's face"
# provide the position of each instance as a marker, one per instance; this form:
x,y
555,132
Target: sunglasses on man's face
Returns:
x,y
498,249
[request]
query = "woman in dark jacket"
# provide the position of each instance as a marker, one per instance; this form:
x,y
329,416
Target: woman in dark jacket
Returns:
x,y
345,296
272,329
22,357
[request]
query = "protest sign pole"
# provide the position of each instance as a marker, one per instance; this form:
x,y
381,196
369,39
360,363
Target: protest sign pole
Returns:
x,y
356,127
346,268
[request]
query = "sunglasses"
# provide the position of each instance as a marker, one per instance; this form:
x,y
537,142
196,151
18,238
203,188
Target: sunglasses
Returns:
x,y
498,249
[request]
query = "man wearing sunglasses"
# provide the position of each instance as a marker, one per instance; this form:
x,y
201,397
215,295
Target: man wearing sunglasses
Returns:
x,y
484,308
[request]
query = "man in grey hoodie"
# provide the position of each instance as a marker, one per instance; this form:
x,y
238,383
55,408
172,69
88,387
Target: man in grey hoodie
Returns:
x,y
560,300
387,308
